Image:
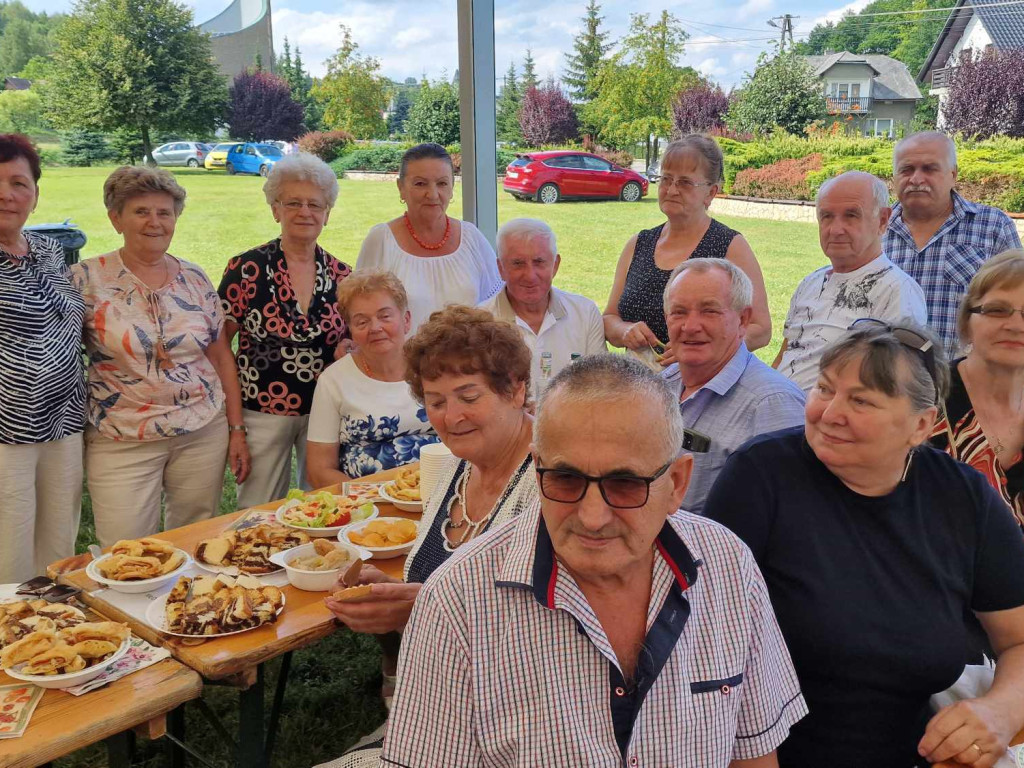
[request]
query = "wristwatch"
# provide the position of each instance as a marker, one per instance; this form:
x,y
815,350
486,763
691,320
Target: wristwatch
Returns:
x,y
237,428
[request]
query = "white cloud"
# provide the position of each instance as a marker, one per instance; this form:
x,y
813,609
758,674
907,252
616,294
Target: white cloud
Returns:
x,y
836,15
753,8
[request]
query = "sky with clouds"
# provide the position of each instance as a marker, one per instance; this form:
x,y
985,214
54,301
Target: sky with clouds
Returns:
x,y
416,37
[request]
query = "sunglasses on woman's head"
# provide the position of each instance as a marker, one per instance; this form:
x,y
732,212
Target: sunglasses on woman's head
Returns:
x,y
910,339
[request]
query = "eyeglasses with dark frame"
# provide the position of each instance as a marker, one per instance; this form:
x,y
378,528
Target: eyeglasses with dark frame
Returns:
x,y
999,311
619,490
910,339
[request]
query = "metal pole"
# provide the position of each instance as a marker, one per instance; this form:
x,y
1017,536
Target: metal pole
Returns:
x,y
476,112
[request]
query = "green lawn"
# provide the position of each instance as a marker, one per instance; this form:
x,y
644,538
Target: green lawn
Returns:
x,y
333,696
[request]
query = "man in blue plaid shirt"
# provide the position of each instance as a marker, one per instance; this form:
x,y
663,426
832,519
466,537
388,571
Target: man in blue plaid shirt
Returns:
x,y
935,235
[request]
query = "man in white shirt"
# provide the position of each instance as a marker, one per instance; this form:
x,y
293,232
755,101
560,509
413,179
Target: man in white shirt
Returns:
x,y
555,325
853,213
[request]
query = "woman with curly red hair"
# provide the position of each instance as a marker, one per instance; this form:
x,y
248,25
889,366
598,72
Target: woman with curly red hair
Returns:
x,y
472,373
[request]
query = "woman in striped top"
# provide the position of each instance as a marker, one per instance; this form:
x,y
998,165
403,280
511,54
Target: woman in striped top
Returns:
x,y
41,383
982,422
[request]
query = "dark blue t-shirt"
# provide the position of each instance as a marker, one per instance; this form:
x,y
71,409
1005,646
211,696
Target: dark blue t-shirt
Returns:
x,y
870,592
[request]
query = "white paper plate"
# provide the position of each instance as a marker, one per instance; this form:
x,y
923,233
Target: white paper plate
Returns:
x,y
156,617
139,585
73,678
377,553
317,533
405,506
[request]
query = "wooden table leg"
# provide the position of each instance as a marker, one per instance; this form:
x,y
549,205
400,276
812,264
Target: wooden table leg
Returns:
x,y
251,729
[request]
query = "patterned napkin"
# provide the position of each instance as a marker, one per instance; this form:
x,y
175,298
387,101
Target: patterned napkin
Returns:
x,y
139,656
17,703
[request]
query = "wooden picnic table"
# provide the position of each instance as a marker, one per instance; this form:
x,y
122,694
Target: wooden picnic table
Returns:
x,y
63,723
238,660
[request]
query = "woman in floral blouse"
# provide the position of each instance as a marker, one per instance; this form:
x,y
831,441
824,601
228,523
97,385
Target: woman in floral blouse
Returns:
x,y
161,373
364,417
280,298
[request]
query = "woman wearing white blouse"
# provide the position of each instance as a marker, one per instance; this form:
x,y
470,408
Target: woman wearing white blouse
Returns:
x,y
440,260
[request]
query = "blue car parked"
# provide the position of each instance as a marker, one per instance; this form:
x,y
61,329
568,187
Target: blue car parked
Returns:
x,y
252,158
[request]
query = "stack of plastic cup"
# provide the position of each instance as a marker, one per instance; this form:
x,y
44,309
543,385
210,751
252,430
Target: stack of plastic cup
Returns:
x,y
433,458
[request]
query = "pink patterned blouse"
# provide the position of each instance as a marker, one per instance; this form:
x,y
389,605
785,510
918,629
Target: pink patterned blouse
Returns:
x,y
149,377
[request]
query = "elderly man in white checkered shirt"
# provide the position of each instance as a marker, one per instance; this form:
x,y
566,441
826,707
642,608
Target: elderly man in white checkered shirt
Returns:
x,y
605,628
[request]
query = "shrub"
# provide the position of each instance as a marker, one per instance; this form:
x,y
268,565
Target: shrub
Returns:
x,y
784,180
383,159
547,116
84,148
617,156
699,109
327,145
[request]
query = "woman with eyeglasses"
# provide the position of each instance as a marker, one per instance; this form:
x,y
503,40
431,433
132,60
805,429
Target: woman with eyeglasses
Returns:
x,y
280,299
164,406
364,418
874,546
472,374
691,175
982,423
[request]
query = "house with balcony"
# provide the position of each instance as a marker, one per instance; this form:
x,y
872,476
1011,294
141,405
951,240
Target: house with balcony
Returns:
x,y
975,26
873,95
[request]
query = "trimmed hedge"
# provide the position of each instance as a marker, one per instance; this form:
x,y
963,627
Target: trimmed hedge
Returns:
x,y
991,172
388,159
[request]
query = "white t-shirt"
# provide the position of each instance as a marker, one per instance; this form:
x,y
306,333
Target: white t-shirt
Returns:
x,y
826,303
467,276
377,424
572,325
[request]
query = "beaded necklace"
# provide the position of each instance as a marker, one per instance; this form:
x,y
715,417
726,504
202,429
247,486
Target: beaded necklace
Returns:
x,y
420,243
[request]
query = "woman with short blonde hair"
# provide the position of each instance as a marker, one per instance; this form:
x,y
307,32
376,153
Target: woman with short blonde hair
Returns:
x,y
364,419
280,298
164,401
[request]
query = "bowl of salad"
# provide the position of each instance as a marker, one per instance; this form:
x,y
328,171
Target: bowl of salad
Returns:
x,y
322,514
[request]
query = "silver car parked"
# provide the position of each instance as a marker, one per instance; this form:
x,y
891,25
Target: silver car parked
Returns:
x,y
188,153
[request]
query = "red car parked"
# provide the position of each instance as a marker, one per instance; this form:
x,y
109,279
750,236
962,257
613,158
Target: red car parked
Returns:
x,y
552,176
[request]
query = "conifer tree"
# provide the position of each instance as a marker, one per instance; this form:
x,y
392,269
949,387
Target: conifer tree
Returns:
x,y
589,48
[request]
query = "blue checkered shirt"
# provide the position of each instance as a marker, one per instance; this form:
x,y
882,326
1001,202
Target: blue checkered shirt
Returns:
x,y
745,399
944,267
505,663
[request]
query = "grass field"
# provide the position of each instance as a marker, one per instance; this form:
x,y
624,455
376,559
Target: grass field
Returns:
x,y
333,693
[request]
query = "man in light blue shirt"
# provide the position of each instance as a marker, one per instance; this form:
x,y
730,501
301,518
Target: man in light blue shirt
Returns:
x,y
726,395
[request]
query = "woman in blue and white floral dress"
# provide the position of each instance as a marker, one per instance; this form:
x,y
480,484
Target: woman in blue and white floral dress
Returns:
x,y
364,418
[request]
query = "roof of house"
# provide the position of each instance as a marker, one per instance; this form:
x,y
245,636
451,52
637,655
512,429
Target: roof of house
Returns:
x,y
1004,25
16,84
893,80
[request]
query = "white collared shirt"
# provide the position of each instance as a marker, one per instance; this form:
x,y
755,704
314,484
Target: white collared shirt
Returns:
x,y
504,662
572,325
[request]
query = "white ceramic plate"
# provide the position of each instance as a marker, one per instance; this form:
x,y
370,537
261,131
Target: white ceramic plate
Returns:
x,y
377,553
156,617
405,506
140,585
73,678
317,533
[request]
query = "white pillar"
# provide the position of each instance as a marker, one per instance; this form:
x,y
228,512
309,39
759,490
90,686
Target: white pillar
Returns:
x,y
476,112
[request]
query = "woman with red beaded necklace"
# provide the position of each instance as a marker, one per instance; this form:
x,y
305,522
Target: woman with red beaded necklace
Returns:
x,y
440,259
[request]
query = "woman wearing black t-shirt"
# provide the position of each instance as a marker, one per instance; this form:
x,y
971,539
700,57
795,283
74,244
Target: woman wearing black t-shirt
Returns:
x,y
873,546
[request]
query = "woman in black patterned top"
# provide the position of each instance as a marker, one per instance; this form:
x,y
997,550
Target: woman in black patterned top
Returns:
x,y
691,177
281,300
42,385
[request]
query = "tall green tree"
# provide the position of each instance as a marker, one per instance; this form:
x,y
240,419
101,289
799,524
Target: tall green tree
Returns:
x,y
291,70
399,113
510,101
782,92
435,115
590,47
529,79
353,94
635,87
904,35
23,36
138,64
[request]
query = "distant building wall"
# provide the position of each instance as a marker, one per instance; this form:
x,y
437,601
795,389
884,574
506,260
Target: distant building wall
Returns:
x,y
240,32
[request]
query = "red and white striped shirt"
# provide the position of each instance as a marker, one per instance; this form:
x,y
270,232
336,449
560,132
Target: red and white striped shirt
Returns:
x,y
504,663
